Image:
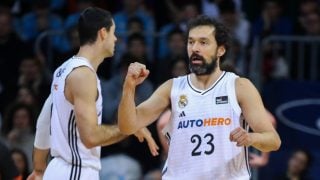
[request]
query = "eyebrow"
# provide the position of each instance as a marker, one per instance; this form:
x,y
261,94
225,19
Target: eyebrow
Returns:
x,y
201,38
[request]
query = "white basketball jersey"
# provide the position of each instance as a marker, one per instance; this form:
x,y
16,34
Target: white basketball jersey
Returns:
x,y
198,133
64,134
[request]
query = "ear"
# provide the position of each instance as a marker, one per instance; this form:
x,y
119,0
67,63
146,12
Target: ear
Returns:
x,y
221,51
102,33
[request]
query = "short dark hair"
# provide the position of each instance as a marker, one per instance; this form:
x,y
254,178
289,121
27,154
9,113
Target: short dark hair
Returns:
x,y
91,20
221,33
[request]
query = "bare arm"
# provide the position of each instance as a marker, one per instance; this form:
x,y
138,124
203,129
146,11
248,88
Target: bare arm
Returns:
x,y
132,118
81,91
39,158
264,136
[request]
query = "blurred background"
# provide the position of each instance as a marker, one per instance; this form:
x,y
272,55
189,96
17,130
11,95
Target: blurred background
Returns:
x,y
276,44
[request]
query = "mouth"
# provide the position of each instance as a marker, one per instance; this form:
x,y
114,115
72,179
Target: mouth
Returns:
x,y
196,60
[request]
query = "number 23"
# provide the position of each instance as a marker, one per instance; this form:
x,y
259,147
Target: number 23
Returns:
x,y
197,139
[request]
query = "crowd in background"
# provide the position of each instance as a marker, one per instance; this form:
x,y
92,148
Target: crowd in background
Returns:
x,y
149,31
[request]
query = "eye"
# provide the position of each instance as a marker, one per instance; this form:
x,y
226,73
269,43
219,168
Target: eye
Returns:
x,y
190,42
203,42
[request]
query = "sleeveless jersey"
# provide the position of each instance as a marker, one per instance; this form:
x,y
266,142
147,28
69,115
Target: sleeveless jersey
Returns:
x,y
199,130
64,134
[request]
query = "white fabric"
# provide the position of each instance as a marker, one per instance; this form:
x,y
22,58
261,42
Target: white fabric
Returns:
x,y
42,139
59,169
65,138
207,116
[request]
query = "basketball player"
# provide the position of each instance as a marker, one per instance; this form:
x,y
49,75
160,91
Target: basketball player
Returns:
x,y
76,133
208,139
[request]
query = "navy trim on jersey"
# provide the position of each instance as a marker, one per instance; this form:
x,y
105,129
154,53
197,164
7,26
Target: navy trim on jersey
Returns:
x,y
246,127
72,141
51,107
164,171
202,93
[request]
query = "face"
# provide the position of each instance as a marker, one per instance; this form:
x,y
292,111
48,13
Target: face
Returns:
x,y
137,48
202,50
177,44
25,96
29,69
21,118
298,162
110,40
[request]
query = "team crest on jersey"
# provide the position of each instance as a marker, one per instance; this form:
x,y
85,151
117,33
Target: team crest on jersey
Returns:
x,y
183,101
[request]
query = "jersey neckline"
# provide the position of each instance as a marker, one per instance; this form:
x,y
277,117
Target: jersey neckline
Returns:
x,y
203,92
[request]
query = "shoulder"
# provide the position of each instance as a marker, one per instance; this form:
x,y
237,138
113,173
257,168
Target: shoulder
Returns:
x,y
82,74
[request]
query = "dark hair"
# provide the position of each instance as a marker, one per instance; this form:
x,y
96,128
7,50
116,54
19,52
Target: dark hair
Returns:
x,y
25,172
91,20
227,6
136,36
9,115
175,31
221,32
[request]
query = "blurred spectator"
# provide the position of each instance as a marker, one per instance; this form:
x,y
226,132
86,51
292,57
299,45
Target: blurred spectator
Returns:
x,y
12,51
72,19
298,166
271,21
310,23
8,170
34,76
179,21
21,162
211,7
237,24
40,20
18,128
134,8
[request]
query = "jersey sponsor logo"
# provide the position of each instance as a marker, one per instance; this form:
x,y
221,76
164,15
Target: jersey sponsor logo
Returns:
x,y
182,114
215,121
60,72
183,101
222,100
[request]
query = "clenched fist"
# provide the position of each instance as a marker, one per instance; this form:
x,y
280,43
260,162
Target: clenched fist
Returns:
x,y
241,137
137,73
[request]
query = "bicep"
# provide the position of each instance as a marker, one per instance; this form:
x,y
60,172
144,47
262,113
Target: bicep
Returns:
x,y
149,110
82,86
252,106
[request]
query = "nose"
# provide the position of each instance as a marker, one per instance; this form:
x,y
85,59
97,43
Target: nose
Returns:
x,y
195,47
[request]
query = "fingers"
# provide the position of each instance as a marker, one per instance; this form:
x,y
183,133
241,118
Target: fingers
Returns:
x,y
240,136
138,70
153,147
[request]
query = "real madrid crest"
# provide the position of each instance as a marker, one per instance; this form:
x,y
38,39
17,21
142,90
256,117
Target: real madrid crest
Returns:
x,y
183,101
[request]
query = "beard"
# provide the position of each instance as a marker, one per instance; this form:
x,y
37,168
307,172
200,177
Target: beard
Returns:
x,y
204,68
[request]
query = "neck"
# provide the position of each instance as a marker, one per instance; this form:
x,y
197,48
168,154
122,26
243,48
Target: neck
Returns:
x,y
205,81
92,54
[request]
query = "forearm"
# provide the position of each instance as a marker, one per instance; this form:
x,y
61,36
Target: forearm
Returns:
x,y
266,141
40,158
127,114
112,133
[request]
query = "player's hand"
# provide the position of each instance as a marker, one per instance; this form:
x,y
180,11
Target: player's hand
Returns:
x,y
241,137
137,73
144,133
257,161
35,176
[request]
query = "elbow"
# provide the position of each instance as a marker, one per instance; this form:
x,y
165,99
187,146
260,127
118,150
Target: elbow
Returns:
x,y
126,130
88,142
277,144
